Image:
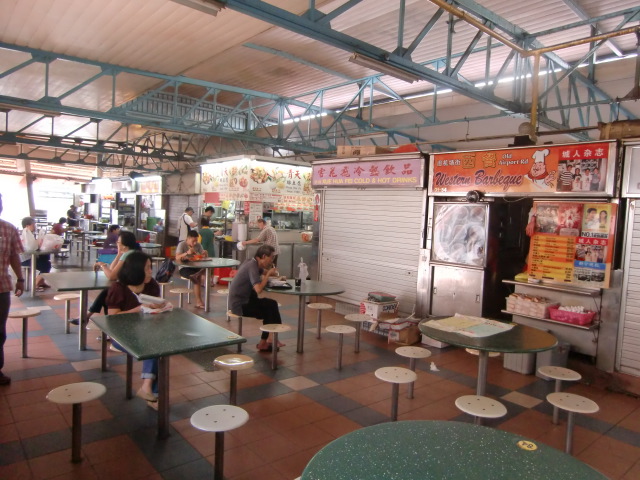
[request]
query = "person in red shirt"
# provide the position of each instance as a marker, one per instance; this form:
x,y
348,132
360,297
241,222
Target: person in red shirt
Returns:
x,y
10,249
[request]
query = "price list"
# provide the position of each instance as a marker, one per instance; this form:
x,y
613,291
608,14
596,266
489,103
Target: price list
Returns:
x,y
552,257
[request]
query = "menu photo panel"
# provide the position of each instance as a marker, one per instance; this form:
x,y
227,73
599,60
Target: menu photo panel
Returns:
x,y
572,243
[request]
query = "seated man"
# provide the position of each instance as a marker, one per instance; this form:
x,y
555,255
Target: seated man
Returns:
x,y
244,290
185,252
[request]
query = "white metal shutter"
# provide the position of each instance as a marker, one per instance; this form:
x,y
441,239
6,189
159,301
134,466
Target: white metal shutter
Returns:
x,y
177,205
629,340
370,241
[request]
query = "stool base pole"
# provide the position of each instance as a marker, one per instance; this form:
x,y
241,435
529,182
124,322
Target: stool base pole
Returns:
x,y
218,465
556,411
233,387
569,443
395,388
76,433
339,357
412,367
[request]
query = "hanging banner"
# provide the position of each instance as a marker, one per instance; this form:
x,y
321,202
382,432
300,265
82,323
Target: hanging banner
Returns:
x,y
406,173
573,243
580,169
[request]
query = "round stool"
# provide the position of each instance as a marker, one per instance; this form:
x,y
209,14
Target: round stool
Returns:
x,y
181,291
481,407
340,330
572,403
275,328
227,279
231,315
395,376
24,315
67,297
76,394
319,307
412,353
358,318
219,419
559,374
232,363
163,285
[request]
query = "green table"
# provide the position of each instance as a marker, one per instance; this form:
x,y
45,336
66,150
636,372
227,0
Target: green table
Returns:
x,y
208,265
520,339
439,450
161,335
309,288
82,282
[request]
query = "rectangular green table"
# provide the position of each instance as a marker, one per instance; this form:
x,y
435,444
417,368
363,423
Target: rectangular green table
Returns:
x,y
161,335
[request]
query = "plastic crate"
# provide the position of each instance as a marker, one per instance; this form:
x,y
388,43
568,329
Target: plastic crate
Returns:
x,y
571,317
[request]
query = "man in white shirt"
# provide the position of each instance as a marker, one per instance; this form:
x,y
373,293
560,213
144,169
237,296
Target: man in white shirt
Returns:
x,y
29,243
185,223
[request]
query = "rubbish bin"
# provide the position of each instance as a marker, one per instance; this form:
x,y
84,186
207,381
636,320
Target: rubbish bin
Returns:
x,y
520,362
557,357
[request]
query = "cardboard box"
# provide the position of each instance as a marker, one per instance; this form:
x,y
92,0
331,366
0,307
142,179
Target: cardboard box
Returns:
x,y
430,342
406,336
361,150
378,309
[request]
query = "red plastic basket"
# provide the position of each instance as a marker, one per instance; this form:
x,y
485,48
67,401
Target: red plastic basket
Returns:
x,y
571,317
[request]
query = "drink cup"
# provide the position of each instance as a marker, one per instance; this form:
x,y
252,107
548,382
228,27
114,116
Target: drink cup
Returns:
x,y
298,282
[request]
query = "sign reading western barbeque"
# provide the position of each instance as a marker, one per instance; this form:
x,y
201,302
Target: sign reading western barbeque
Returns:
x,y
576,169
388,172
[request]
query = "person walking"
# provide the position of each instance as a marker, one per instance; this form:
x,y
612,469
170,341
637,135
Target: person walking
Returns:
x,y
268,236
185,224
10,250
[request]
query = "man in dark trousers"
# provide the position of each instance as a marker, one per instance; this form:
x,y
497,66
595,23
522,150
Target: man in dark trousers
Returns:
x,y
10,249
250,281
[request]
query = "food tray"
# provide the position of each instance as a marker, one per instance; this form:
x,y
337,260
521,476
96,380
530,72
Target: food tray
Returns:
x,y
571,317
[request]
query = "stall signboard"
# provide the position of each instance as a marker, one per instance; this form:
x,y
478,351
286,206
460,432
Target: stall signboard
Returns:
x,y
253,180
149,186
572,243
580,169
386,172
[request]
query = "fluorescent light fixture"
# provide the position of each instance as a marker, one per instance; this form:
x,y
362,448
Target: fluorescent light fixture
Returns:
x,y
206,6
383,67
369,136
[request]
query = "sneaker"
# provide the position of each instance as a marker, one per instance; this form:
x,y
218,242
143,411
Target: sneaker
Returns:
x,y
74,321
4,380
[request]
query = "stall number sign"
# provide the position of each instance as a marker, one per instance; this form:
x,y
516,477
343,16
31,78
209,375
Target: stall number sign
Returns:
x,y
573,243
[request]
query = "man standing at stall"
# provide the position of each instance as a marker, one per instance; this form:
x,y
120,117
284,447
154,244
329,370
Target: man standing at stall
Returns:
x,y
185,224
10,249
268,236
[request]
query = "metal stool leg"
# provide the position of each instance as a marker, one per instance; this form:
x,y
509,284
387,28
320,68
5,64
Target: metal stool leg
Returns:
x,y
555,409
412,367
569,441
239,333
67,315
339,357
218,465
274,358
395,388
25,336
76,433
357,341
180,300
319,322
233,387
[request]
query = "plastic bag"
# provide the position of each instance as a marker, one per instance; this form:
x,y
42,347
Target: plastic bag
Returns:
x,y
51,242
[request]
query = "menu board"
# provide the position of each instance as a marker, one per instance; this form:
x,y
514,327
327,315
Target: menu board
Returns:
x,y
572,243
287,186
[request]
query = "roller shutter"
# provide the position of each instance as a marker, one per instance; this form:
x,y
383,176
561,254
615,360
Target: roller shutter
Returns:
x,y
371,241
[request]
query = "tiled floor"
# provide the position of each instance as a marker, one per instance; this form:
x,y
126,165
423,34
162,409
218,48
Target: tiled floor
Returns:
x,y
294,411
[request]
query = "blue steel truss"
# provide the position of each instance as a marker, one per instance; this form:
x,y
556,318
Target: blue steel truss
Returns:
x,y
184,129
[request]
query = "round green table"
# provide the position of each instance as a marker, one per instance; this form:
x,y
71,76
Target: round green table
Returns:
x,y
438,450
520,339
309,288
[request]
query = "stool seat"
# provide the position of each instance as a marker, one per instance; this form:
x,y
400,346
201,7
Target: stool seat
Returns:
x,y
340,329
560,373
24,313
223,291
275,328
219,418
473,351
227,279
482,407
181,291
163,285
76,393
320,306
396,375
572,402
413,352
358,317
233,361
66,296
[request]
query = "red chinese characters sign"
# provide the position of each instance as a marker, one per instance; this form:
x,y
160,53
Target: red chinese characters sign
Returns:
x,y
375,173
579,168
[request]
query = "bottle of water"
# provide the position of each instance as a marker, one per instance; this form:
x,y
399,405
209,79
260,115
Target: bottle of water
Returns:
x,y
303,271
